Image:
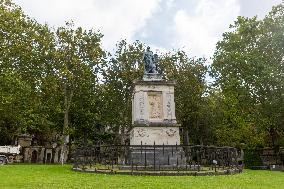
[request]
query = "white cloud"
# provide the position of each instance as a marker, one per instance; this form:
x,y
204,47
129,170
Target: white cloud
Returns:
x,y
115,19
199,32
170,3
194,26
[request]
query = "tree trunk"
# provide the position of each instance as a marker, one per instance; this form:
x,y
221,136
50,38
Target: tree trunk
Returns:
x,y
186,137
122,135
65,135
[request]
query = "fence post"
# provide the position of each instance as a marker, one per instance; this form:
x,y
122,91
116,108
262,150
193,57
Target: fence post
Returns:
x,y
145,158
140,159
154,157
131,166
163,149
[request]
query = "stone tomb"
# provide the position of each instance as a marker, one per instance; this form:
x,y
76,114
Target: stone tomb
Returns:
x,y
154,122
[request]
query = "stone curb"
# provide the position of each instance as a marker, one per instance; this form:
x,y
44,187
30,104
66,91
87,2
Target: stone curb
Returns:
x,y
162,173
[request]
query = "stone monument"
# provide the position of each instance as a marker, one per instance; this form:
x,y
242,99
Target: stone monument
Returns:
x,y
153,114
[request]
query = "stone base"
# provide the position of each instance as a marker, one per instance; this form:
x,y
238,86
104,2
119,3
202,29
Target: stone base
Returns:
x,y
152,77
158,156
155,135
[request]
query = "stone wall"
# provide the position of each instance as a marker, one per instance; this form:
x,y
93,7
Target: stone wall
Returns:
x,y
40,154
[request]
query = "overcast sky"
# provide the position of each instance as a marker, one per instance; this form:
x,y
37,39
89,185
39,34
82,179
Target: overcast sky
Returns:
x,y
192,25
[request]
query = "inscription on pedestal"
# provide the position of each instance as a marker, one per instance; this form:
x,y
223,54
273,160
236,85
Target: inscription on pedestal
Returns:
x,y
155,105
141,105
169,102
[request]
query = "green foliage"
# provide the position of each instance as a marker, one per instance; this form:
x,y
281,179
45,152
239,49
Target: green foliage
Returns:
x,y
78,56
191,110
252,158
14,109
118,75
248,68
23,48
51,69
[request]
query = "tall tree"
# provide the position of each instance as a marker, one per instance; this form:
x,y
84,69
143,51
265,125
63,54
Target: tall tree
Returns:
x,y
123,68
78,56
248,68
54,68
189,74
23,57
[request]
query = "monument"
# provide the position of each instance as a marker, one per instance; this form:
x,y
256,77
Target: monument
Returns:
x,y
153,116
155,147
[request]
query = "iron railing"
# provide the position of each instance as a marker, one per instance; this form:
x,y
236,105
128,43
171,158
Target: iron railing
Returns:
x,y
157,158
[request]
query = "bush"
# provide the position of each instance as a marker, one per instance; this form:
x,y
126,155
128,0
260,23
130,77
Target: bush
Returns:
x,y
252,158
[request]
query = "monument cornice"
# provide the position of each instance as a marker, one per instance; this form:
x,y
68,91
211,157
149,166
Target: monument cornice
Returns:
x,y
154,82
155,124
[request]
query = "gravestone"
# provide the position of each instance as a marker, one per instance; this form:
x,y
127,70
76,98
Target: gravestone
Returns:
x,y
153,117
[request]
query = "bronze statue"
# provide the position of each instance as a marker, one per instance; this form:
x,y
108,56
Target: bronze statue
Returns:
x,y
150,61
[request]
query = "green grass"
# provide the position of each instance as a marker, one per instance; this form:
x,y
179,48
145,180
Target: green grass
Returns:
x,y
57,176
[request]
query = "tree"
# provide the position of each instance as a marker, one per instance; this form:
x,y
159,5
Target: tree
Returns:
x,y
122,69
78,55
14,106
248,68
52,67
23,59
189,74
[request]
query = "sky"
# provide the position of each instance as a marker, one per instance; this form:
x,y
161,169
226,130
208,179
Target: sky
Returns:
x,y
194,26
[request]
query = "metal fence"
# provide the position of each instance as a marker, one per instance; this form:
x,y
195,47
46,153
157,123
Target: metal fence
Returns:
x,y
157,158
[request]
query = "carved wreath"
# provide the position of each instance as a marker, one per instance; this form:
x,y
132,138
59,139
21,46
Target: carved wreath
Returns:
x,y
171,132
141,132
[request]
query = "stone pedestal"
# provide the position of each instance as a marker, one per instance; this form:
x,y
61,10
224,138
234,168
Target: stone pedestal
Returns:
x,y
154,120
153,112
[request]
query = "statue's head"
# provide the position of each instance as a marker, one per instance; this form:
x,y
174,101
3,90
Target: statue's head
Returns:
x,y
148,48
